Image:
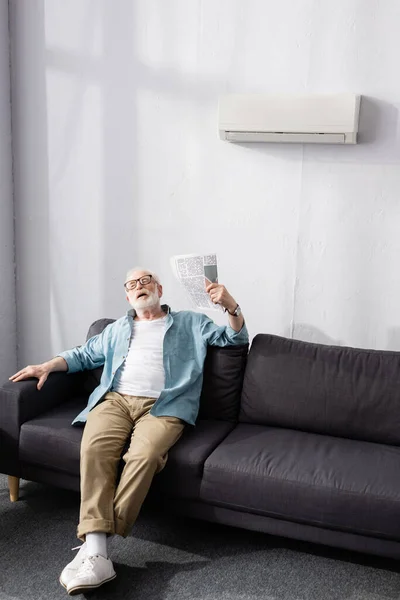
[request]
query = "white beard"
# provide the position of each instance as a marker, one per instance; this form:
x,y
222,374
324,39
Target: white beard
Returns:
x,y
151,299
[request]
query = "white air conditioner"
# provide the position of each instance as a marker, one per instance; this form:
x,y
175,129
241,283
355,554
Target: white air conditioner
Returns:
x,y
318,119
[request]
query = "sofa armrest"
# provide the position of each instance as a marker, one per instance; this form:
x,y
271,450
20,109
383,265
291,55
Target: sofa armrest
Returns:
x,y
22,401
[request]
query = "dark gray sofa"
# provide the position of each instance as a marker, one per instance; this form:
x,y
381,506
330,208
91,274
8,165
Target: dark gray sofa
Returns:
x,y
296,439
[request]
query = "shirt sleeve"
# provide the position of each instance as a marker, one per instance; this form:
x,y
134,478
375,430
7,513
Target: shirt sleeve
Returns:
x,y
216,335
89,356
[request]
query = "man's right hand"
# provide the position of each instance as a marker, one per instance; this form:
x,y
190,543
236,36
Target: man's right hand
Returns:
x,y
41,372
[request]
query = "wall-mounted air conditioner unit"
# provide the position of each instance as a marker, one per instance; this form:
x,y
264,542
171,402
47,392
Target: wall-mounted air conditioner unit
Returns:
x,y
318,119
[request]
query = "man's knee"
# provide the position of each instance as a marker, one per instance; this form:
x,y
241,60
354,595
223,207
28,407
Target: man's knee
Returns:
x,y
145,451
91,441
100,445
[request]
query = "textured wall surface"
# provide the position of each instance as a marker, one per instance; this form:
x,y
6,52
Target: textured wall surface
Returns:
x,y
8,359
118,163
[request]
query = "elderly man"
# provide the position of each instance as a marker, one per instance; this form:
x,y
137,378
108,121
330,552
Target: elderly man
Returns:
x,y
150,388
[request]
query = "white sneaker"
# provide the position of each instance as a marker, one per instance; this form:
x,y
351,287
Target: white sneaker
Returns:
x,y
93,572
71,569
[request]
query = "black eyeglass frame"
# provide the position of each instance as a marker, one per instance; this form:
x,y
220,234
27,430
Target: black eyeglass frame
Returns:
x,y
136,280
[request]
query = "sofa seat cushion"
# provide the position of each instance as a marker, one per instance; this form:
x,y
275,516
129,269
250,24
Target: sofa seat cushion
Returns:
x,y
307,478
181,477
49,440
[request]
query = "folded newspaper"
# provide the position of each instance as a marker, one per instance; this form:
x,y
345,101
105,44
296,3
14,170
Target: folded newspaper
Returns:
x,y
195,272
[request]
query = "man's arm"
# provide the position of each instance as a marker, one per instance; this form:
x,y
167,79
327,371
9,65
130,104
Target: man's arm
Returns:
x,y
220,295
236,322
88,356
236,332
216,335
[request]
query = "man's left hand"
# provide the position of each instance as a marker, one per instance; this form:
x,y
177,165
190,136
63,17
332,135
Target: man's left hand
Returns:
x,y
220,295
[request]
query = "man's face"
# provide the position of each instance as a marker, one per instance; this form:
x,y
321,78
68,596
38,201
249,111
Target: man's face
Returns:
x,y
143,295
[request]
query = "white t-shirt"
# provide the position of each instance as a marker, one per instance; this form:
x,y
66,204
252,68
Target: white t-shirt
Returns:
x,y
142,373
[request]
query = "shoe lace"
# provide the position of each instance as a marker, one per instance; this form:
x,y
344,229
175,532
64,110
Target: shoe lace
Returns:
x,y
77,547
86,566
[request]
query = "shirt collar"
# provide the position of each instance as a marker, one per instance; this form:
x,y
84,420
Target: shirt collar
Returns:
x,y
165,308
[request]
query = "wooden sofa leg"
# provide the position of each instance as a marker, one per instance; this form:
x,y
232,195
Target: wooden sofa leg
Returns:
x,y
13,486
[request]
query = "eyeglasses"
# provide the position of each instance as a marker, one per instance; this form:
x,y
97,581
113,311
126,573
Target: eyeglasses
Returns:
x,y
131,285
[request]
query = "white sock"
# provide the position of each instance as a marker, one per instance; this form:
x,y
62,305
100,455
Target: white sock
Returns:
x,y
96,543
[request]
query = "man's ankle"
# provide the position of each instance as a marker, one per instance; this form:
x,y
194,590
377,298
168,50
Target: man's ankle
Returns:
x,y
96,543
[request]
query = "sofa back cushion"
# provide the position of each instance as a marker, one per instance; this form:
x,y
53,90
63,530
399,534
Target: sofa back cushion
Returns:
x,y
222,382
93,376
339,391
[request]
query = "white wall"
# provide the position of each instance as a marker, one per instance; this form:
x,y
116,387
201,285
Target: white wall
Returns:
x,y
8,339
118,163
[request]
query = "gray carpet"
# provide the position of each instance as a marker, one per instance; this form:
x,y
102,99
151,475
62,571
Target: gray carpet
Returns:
x,y
172,558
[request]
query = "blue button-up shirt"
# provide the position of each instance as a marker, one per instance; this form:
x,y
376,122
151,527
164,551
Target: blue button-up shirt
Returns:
x,y
184,350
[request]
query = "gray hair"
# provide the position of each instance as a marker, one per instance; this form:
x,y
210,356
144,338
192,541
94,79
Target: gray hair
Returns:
x,y
154,276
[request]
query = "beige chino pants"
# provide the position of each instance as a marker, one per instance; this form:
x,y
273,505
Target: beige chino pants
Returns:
x,y
105,506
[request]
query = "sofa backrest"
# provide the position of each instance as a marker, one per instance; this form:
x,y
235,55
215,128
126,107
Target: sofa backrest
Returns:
x,y
222,381
339,391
